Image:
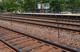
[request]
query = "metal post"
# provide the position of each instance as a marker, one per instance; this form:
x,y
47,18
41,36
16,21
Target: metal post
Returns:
x,y
35,5
42,8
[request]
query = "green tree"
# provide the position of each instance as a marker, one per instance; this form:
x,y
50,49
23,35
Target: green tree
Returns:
x,y
26,5
55,5
1,7
29,5
76,6
10,5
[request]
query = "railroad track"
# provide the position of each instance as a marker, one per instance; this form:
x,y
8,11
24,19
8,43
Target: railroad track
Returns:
x,y
5,48
22,43
46,22
63,31
49,18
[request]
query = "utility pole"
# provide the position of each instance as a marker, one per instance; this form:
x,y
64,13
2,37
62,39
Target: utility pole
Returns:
x,y
35,5
3,4
42,7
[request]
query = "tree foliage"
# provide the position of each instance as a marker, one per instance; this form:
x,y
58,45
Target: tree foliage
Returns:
x,y
1,6
30,5
10,5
